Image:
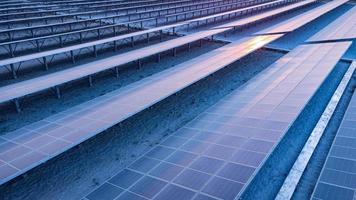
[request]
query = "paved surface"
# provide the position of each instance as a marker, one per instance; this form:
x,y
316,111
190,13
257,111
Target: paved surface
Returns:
x,y
217,154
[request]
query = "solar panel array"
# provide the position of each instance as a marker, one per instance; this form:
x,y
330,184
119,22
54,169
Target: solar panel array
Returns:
x,y
292,23
55,134
214,156
219,152
342,28
338,176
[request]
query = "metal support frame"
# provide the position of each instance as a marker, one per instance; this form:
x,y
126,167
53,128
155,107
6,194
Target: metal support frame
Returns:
x,y
72,56
45,63
17,105
117,72
57,91
13,71
174,52
158,57
90,80
95,51
139,64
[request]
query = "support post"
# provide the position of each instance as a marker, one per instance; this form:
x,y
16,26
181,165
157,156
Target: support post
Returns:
x,y
72,56
117,72
61,41
139,64
13,71
132,42
158,57
174,52
45,63
10,35
81,37
58,92
90,80
17,105
115,45
12,54
38,46
95,51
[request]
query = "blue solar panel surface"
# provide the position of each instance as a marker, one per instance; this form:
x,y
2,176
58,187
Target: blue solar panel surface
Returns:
x,y
219,152
338,177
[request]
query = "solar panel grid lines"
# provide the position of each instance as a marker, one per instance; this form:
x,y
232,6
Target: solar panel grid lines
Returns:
x,y
45,5
220,14
116,10
73,22
52,6
89,115
297,21
217,154
21,4
6,2
87,69
171,165
109,63
11,50
71,49
337,177
265,15
225,142
114,4
342,28
294,177
288,59
134,9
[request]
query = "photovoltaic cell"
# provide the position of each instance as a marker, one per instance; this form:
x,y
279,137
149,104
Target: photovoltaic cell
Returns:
x,y
53,127
105,192
125,178
338,177
212,156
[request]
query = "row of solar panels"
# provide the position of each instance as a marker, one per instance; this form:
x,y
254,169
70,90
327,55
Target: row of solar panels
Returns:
x,y
78,135
26,40
186,168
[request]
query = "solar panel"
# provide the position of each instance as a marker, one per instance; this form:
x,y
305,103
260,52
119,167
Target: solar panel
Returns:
x,y
54,135
342,28
300,20
338,176
214,155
